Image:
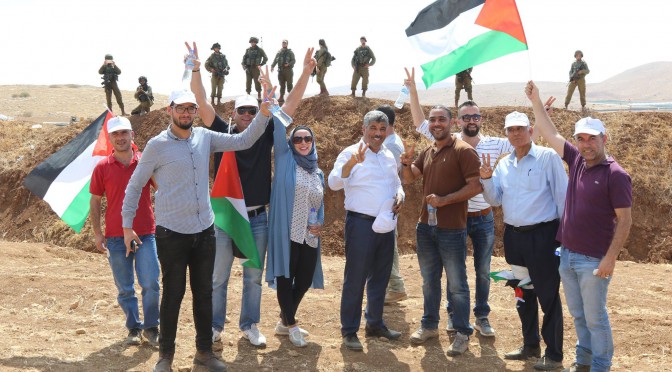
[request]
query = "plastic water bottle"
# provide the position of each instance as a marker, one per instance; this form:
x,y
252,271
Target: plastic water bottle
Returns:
x,y
403,97
312,221
280,115
431,215
188,67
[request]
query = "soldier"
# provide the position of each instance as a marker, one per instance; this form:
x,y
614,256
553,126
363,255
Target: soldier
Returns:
x,y
285,61
323,58
144,95
361,60
218,66
463,81
577,76
111,73
253,58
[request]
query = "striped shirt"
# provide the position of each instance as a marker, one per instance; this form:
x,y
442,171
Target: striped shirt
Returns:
x,y
494,146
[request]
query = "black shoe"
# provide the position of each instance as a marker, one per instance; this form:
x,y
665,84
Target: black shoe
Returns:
x,y
352,342
133,337
152,335
525,352
209,360
546,364
164,364
382,332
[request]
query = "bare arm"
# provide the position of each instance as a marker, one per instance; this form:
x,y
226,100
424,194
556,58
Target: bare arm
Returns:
x,y
543,124
295,96
95,203
416,109
623,223
409,172
205,110
470,189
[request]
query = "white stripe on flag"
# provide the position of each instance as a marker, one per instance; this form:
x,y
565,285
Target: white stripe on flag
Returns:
x,y
454,35
240,207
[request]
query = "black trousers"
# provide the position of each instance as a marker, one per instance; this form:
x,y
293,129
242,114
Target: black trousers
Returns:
x,y
535,250
302,260
177,252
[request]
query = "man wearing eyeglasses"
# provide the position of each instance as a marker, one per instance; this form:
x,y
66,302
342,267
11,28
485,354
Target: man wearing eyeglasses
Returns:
x,y
179,160
254,168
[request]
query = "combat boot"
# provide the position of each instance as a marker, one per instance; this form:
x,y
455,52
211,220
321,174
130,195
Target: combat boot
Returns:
x,y
212,101
123,113
259,96
219,100
353,93
165,363
282,98
363,93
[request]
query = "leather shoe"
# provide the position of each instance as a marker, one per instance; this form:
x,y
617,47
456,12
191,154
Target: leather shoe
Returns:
x,y
209,360
382,332
524,352
164,364
352,342
547,364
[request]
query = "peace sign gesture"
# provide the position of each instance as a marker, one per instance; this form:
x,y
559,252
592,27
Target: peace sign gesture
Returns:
x,y
407,156
193,49
359,155
485,170
410,78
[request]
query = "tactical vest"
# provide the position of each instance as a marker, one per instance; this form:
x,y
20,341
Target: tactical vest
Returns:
x,y
284,57
253,57
219,61
109,74
363,55
145,97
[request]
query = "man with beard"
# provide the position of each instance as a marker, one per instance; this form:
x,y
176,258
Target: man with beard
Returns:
x,y
179,160
368,174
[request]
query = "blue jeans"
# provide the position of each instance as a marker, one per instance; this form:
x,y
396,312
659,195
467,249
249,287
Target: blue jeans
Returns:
x,y
443,250
481,230
586,297
147,269
251,301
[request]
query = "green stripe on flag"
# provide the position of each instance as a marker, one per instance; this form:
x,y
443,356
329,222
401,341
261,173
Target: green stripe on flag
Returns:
x,y
238,228
76,213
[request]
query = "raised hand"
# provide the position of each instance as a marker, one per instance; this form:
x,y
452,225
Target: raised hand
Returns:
x,y
410,78
192,49
485,170
407,156
548,105
268,101
532,91
265,79
309,62
359,155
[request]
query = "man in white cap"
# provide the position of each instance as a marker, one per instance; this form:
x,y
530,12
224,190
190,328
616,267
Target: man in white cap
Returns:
x,y
254,169
530,185
592,231
179,160
109,180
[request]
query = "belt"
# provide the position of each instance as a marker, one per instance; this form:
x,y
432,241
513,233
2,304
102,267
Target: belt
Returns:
x,y
256,212
482,212
524,229
361,215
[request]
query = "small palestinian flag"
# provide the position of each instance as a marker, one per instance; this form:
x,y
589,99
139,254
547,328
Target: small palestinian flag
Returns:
x,y
465,33
228,204
63,179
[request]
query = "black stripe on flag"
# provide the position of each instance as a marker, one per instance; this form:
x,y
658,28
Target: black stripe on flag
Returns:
x,y
439,14
40,178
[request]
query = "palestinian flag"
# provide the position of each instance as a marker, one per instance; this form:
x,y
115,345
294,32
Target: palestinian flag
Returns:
x,y
63,179
465,33
228,204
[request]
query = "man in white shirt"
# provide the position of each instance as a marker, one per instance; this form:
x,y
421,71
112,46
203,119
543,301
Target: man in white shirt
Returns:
x,y
367,171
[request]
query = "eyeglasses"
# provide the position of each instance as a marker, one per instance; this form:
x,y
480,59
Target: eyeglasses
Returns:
x,y
246,110
467,118
298,139
182,109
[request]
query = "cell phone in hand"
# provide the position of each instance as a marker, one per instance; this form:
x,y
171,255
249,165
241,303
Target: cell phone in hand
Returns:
x,y
134,246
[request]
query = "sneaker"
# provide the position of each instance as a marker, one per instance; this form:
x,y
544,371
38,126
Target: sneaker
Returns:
x,y
483,327
151,335
524,352
283,330
209,360
216,335
392,297
164,364
576,367
547,364
133,337
254,336
423,334
352,342
296,337
449,325
459,345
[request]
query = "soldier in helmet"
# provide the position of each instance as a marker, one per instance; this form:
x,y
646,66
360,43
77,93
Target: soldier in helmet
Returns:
x,y
218,66
253,58
285,61
323,58
144,95
577,77
111,73
361,60
463,81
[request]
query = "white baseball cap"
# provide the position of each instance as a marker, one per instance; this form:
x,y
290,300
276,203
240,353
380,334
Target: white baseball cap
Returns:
x,y
118,123
589,126
182,96
246,101
516,119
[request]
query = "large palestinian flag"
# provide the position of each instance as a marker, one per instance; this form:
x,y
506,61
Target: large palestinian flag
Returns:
x,y
465,33
63,179
228,204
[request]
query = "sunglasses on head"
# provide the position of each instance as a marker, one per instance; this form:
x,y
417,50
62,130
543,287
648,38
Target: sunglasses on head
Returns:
x,y
475,117
246,110
298,139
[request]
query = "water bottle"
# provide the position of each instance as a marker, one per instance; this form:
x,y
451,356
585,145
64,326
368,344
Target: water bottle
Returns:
x,y
312,221
188,67
280,115
431,215
403,97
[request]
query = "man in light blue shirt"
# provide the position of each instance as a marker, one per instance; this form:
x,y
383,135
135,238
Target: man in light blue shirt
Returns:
x,y
530,185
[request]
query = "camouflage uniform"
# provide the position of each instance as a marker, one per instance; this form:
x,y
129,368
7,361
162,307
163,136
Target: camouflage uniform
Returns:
x,y
218,66
361,60
253,58
577,77
463,81
285,73
144,95
110,74
323,63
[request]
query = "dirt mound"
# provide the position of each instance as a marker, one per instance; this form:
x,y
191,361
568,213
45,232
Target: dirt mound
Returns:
x,y
639,141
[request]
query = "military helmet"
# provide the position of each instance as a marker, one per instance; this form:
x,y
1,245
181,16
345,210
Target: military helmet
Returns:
x,y
216,46
108,57
578,52
141,78
363,38
253,40
322,42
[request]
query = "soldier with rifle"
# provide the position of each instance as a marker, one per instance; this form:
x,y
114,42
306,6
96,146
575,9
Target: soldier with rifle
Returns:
x,y
218,66
252,59
323,58
577,77
463,80
361,60
285,60
144,95
111,73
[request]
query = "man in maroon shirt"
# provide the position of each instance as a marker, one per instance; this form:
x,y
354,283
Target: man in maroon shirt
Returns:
x,y
109,179
593,229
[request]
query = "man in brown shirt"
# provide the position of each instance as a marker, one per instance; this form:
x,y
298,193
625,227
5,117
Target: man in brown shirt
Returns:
x,y
450,171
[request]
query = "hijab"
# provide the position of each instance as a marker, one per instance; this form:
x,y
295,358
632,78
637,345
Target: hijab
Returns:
x,y
307,162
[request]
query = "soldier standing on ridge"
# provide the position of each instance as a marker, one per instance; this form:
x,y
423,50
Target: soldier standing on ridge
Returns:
x,y
323,58
285,61
463,81
144,95
218,66
111,73
361,60
253,58
577,77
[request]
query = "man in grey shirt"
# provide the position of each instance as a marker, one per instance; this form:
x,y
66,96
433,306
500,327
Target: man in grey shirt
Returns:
x,y
179,160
